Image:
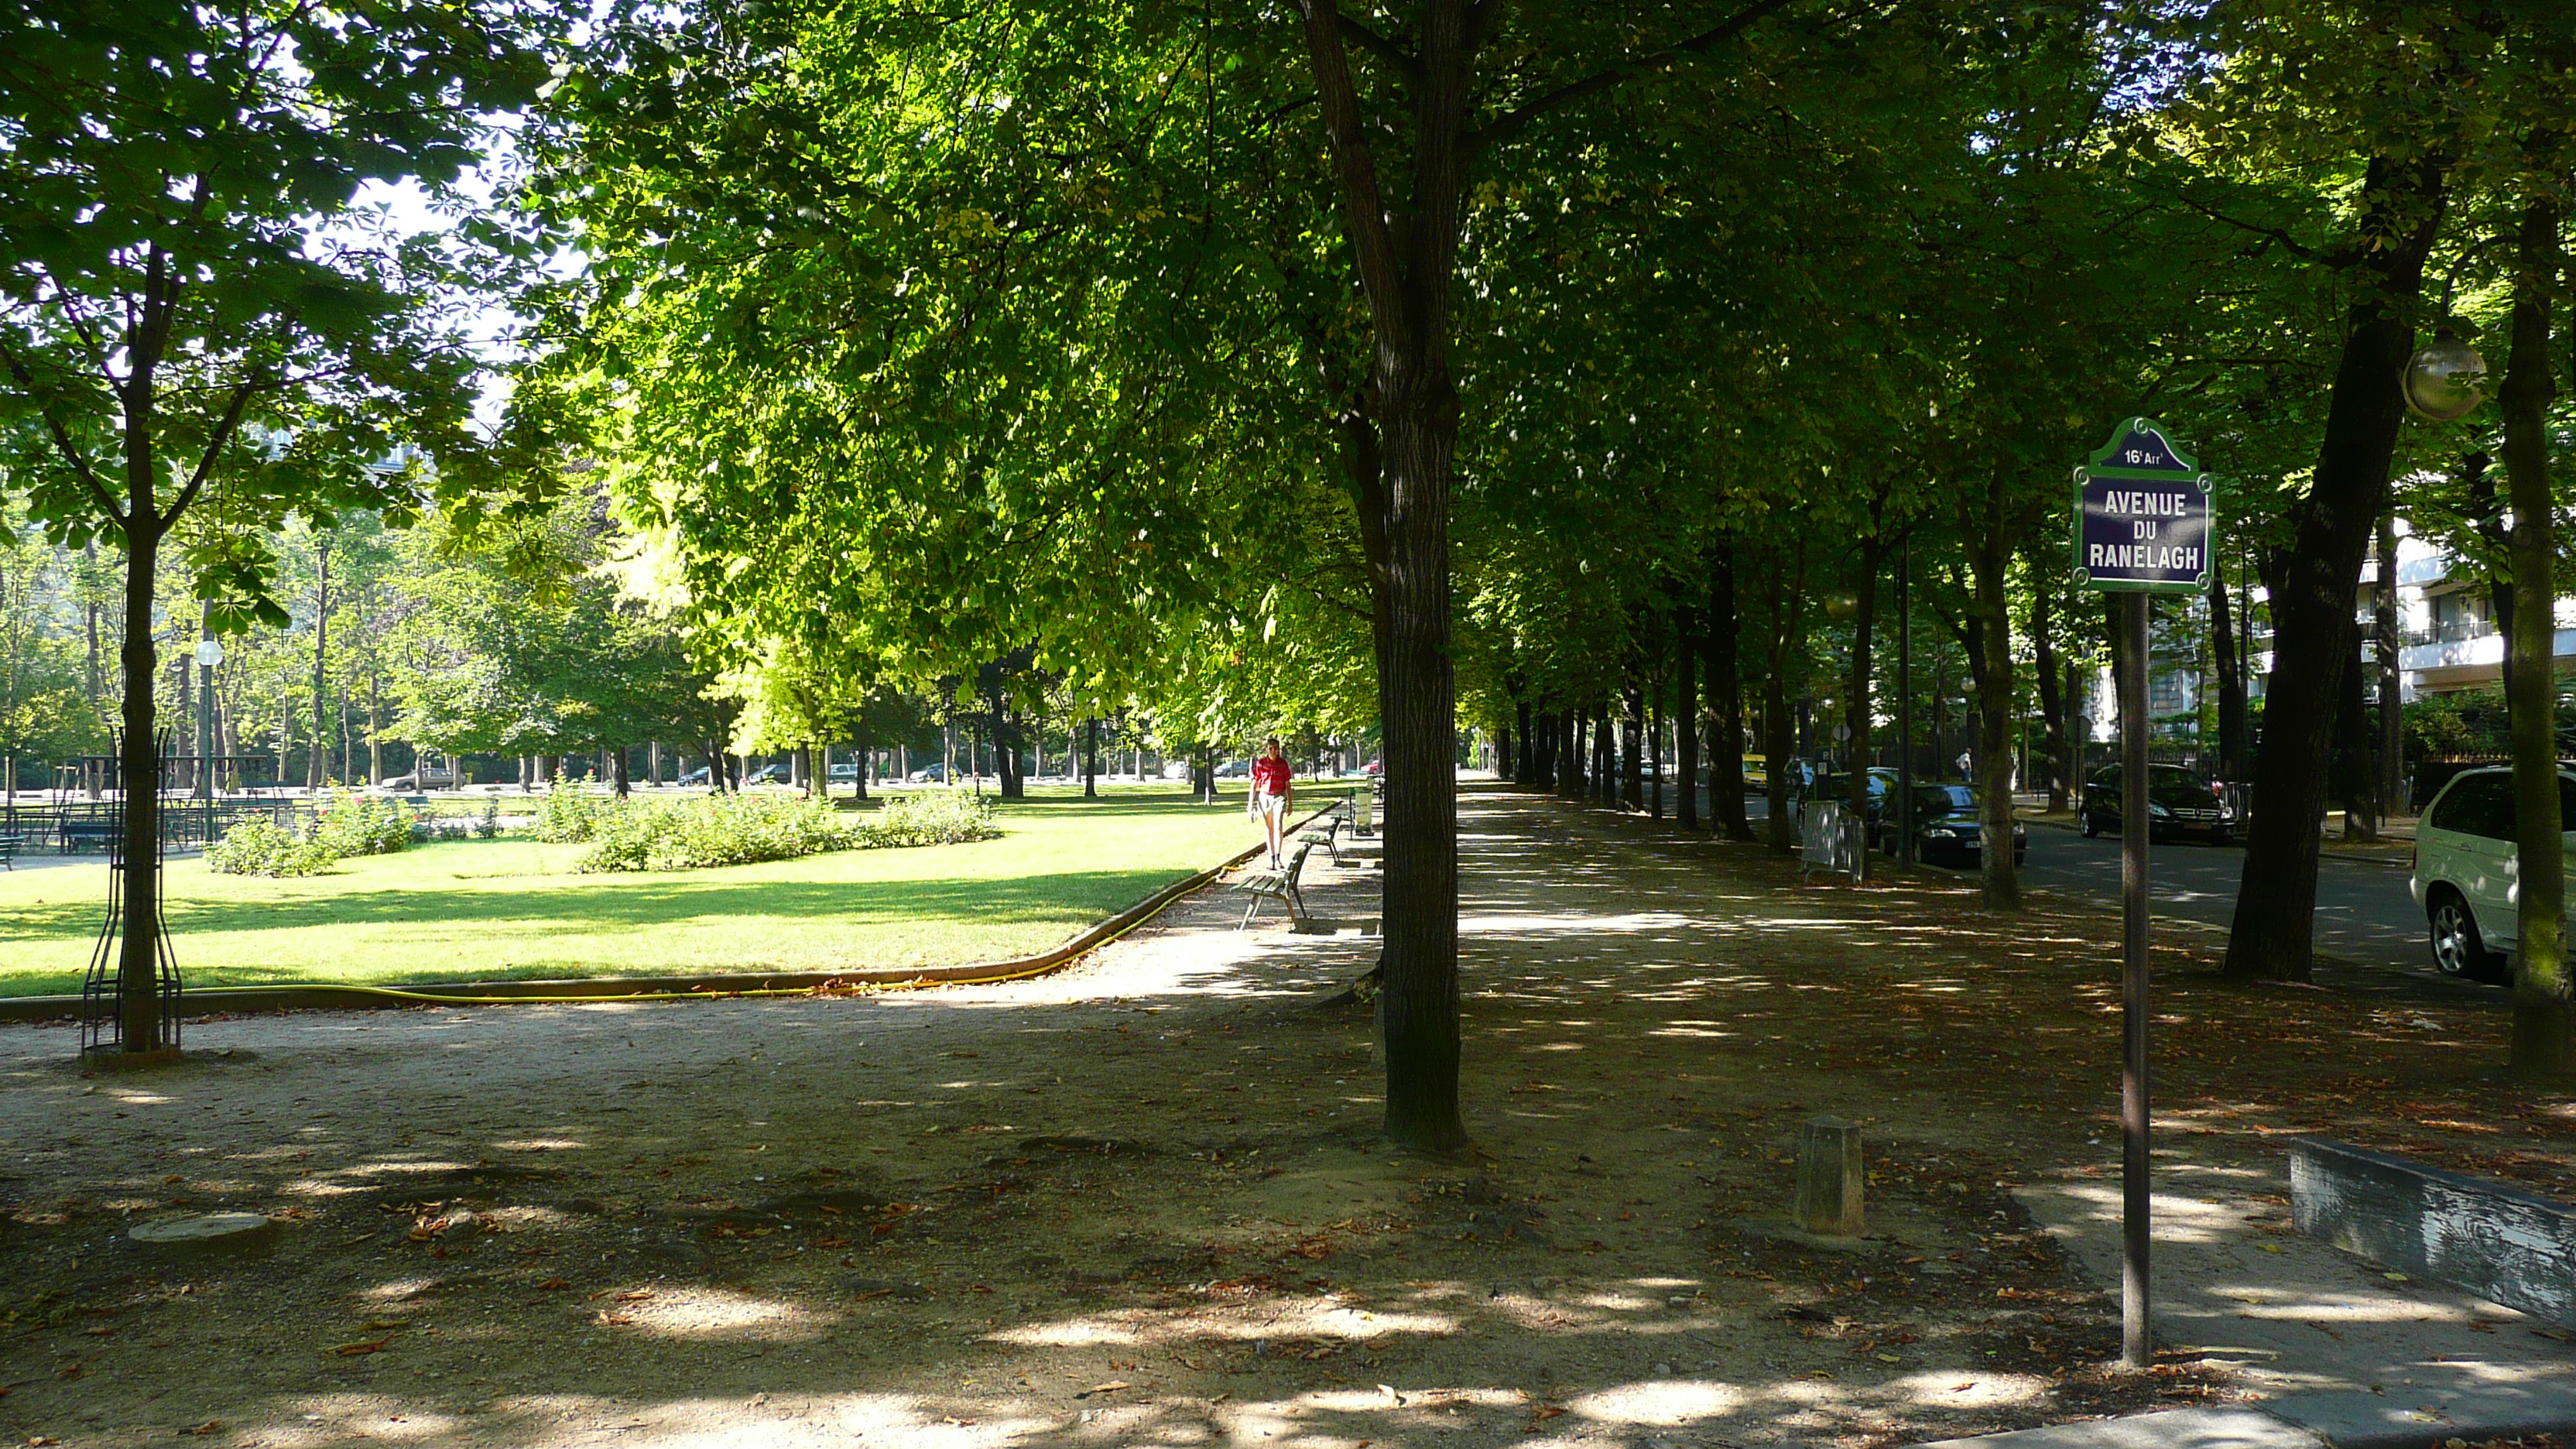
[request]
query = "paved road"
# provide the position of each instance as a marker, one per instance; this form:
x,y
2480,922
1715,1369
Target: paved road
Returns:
x,y
2364,914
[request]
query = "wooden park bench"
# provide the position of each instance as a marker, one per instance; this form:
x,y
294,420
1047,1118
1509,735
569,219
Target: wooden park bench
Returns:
x,y
9,848
1276,885
1325,830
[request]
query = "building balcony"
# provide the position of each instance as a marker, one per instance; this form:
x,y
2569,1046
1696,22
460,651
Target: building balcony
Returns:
x,y
2436,665
2425,570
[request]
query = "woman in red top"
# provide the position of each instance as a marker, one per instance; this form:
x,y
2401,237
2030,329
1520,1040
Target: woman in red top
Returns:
x,y
1270,787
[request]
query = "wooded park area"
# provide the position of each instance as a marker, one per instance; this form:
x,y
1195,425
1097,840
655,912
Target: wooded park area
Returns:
x,y
629,387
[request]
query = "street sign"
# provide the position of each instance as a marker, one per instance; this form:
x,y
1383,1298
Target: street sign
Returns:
x,y
2143,519
2143,526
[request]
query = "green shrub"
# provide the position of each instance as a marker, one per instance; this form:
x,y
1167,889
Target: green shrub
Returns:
x,y
932,817
488,824
355,824
257,845
713,830
567,813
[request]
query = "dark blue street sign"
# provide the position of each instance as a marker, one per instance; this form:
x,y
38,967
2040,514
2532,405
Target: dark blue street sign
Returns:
x,y
2143,521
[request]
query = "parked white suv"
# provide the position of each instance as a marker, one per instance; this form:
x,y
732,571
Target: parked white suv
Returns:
x,y
2467,868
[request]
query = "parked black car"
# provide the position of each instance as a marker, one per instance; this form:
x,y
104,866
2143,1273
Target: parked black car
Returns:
x,y
2179,802
1947,830
1882,789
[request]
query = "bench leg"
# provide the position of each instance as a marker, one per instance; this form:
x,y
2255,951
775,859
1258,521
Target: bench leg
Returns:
x,y
1248,913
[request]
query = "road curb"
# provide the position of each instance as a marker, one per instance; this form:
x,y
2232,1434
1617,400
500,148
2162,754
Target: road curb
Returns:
x,y
714,986
2323,1420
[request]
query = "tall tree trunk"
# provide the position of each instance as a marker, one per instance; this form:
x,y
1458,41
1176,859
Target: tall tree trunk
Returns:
x,y
1091,758
1725,699
1991,663
1784,637
2356,771
2392,716
2225,649
1686,722
2052,699
317,764
1527,762
2314,634
2544,996
1859,708
1632,749
138,959
1655,751
617,763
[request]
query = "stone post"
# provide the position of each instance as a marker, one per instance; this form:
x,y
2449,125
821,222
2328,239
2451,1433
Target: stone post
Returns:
x,y
1829,1177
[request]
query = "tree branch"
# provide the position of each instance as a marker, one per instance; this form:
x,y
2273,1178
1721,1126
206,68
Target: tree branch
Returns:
x,y
62,436
1363,203
1378,45
1510,123
214,448
2289,243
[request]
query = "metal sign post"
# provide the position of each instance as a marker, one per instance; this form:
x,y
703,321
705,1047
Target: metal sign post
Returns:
x,y
2142,527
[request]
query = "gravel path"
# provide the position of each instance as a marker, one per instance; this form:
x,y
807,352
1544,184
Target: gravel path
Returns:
x,y
1139,1202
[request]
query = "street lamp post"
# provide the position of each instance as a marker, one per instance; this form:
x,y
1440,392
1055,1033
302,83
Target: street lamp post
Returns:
x,y
210,652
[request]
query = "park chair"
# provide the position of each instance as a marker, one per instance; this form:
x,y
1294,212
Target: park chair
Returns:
x,y
1276,885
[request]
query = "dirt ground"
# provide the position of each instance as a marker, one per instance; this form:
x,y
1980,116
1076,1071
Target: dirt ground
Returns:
x,y
1144,1202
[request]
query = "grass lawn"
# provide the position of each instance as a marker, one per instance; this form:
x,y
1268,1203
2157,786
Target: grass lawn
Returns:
x,y
481,910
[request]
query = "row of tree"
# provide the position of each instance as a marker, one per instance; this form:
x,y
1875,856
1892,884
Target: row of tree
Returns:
x,y
1319,366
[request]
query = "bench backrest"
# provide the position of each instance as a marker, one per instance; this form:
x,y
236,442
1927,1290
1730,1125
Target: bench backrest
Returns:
x,y
1297,858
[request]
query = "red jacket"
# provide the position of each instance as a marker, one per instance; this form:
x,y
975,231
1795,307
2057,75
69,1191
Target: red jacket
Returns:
x,y
1270,777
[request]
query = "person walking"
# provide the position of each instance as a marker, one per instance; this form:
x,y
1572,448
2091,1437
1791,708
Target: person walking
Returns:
x,y
1271,785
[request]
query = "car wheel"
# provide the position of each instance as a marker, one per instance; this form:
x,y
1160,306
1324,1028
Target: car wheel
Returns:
x,y
2458,949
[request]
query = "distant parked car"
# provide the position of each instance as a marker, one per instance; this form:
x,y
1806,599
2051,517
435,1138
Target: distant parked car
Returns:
x,y
845,772
698,776
1948,831
1234,769
929,775
2179,802
768,775
2467,864
1882,789
426,777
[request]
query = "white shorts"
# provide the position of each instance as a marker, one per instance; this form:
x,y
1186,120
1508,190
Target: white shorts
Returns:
x,y
1269,805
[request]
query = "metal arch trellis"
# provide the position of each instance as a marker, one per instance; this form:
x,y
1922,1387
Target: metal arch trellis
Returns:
x,y
102,1023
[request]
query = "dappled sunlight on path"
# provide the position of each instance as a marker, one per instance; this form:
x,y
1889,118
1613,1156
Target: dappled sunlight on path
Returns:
x,y
1139,1202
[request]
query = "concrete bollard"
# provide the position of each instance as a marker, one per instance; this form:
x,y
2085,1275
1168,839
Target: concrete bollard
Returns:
x,y
1829,1177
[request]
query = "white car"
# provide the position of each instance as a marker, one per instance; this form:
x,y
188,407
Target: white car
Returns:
x,y
2467,870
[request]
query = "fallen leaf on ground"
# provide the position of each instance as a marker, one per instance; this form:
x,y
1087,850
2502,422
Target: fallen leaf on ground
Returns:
x,y
211,1426
361,1348
552,1283
1111,1387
